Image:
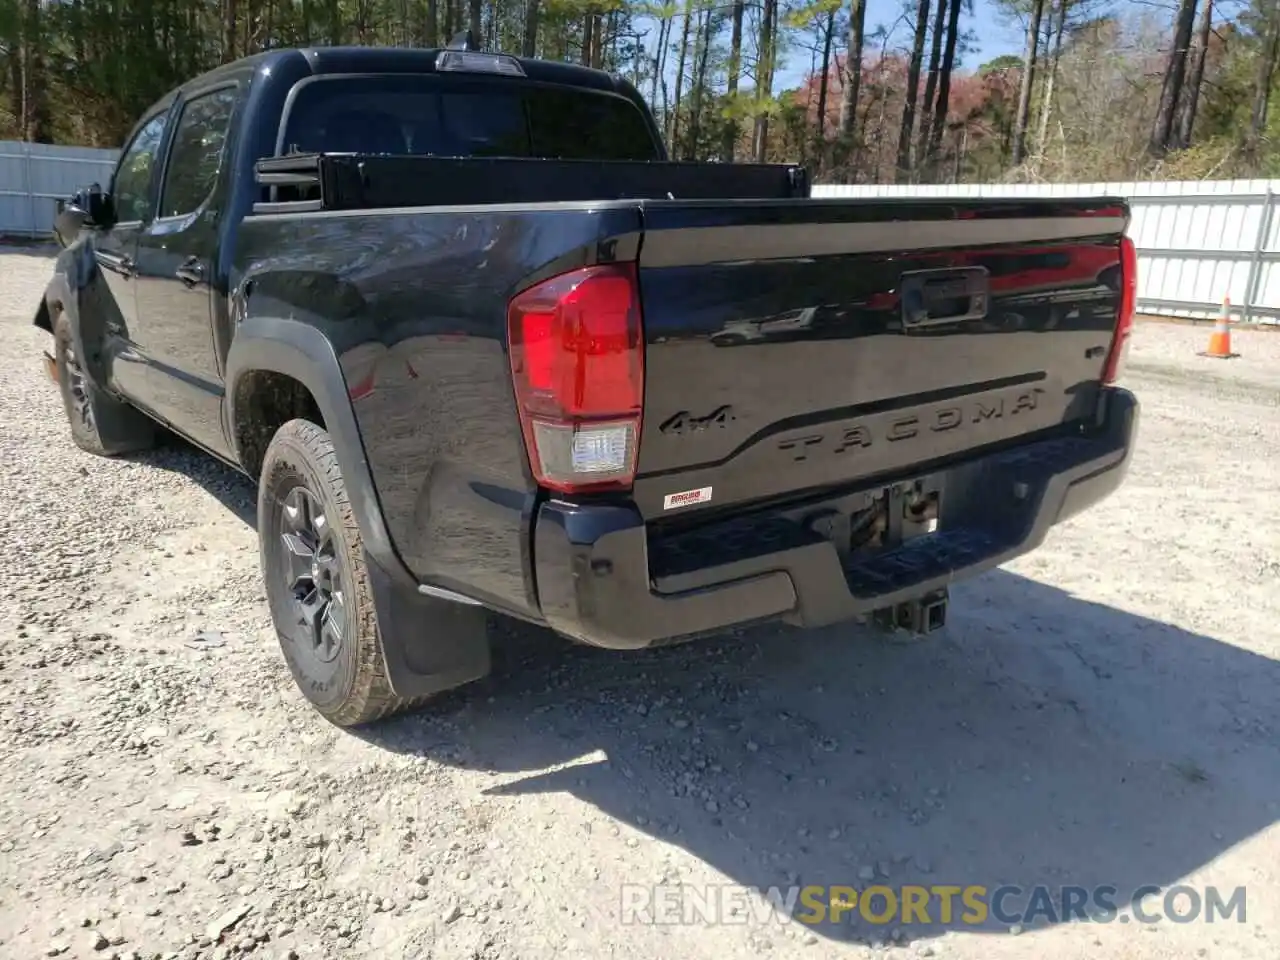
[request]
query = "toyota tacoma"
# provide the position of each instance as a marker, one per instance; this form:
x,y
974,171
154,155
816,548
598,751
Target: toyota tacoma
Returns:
x,y
484,348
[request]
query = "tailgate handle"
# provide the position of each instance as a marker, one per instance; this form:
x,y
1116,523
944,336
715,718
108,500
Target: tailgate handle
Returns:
x,y
934,297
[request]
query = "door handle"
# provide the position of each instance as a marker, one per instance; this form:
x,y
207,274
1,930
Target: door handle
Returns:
x,y
191,272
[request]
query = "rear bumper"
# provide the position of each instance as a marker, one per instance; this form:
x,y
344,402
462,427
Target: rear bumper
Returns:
x,y
602,577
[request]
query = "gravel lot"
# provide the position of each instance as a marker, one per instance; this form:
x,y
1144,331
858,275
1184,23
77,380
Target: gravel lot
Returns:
x,y
1103,711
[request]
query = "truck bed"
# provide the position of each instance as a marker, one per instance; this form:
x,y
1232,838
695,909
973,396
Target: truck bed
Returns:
x,y
792,351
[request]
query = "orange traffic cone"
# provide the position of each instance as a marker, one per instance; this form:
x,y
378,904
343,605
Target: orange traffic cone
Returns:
x,y
1220,339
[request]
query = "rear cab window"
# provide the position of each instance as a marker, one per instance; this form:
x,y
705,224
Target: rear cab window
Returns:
x,y
451,116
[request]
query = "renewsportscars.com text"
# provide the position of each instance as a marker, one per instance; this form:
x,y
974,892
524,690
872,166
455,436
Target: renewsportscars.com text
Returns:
x,y
950,905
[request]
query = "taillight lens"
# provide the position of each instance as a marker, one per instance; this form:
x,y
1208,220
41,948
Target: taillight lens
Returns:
x,y
1128,308
577,362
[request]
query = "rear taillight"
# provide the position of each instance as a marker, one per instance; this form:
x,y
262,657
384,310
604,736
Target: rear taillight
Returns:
x,y
1128,307
577,361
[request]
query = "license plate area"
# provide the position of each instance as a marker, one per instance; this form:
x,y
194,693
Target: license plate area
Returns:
x,y
866,524
859,525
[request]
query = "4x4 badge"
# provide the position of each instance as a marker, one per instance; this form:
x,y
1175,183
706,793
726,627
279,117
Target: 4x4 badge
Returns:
x,y
684,422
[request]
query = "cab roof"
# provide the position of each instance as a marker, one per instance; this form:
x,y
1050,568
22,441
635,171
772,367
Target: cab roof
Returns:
x,y
328,60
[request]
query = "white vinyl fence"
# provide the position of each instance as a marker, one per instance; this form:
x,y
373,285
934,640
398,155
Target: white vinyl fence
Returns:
x,y
1198,241
34,177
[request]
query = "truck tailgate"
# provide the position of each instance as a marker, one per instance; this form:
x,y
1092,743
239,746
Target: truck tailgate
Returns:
x,y
801,346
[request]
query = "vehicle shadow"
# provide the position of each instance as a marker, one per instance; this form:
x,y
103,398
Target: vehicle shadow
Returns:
x,y
1040,740
232,489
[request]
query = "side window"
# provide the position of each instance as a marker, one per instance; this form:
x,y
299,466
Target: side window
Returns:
x,y
131,185
196,153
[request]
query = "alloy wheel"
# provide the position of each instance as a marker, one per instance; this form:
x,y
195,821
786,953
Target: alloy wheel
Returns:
x,y
313,574
78,388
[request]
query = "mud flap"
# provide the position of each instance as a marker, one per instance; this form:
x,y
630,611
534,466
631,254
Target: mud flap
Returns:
x,y
118,427
429,645
121,428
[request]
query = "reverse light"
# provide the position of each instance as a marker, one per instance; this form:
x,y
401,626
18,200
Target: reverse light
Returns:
x,y
1128,309
577,364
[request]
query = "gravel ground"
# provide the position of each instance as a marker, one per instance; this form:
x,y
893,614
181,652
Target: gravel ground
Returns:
x,y
1102,711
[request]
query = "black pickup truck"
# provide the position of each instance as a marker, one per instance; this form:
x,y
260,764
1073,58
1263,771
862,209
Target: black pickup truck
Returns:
x,y
485,348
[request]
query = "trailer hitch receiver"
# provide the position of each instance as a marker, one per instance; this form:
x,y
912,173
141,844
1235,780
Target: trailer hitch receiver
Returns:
x,y
917,617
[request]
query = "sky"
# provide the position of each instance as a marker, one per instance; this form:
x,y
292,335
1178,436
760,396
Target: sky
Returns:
x,y
996,35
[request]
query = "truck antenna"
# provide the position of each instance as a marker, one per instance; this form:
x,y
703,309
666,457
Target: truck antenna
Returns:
x,y
463,40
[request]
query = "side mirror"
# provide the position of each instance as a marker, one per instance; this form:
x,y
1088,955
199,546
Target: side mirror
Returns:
x,y
89,207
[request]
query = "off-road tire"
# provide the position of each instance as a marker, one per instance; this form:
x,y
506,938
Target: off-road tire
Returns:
x,y
100,423
351,688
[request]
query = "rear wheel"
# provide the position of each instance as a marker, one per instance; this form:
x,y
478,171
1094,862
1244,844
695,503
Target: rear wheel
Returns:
x,y
100,424
317,585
